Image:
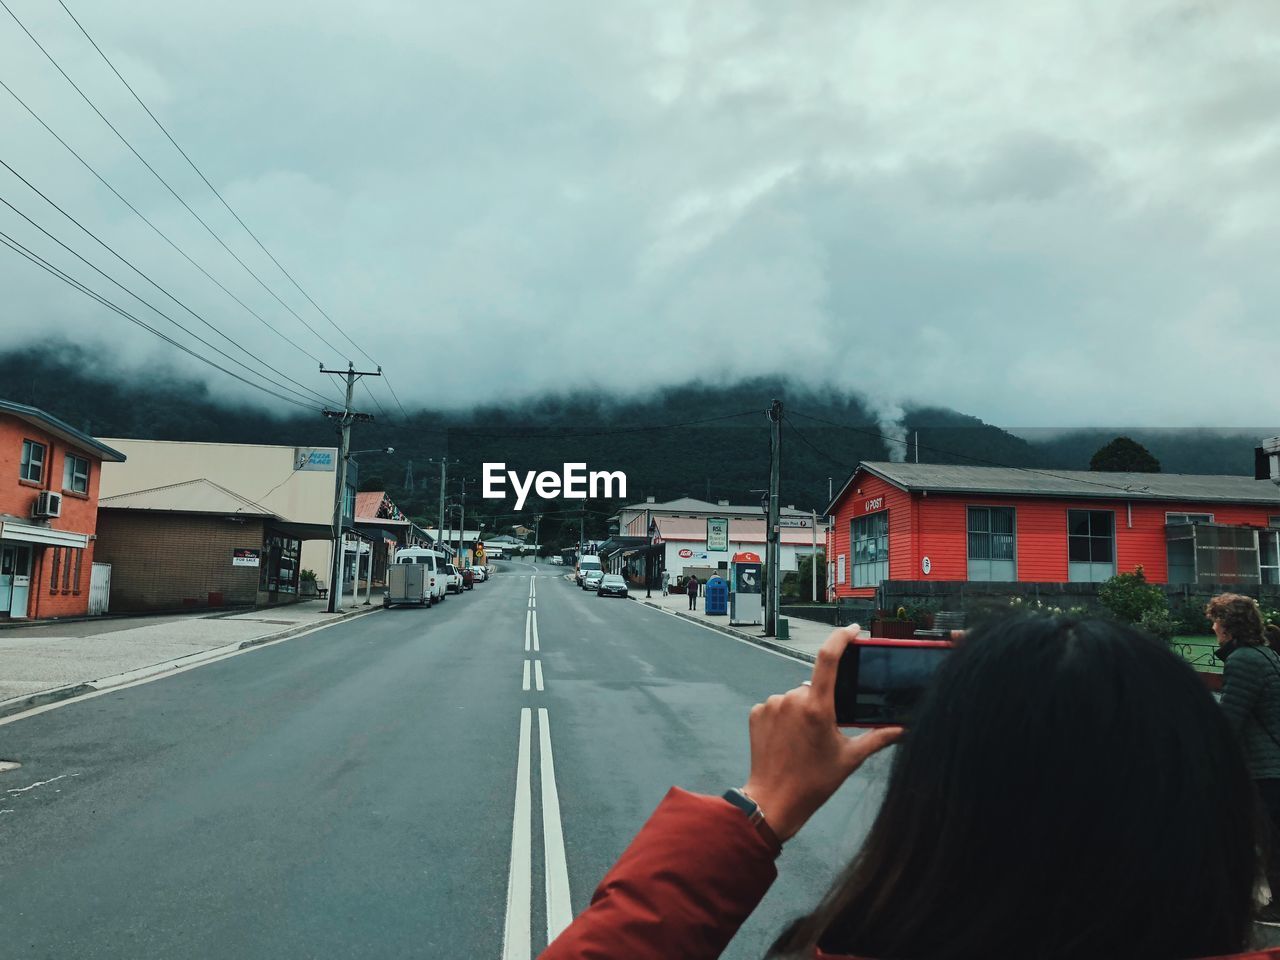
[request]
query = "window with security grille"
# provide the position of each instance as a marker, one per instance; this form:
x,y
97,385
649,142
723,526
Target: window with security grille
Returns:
x,y
870,548
992,544
1174,518
1091,545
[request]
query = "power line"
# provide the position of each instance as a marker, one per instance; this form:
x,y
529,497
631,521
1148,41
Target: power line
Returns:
x,y
45,265
147,304
163,181
160,233
381,410
965,456
157,286
223,201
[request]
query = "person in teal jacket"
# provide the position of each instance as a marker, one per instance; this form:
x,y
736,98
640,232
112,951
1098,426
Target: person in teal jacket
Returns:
x,y
1251,704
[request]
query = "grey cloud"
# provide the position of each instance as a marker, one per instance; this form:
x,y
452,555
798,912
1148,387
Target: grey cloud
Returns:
x,y
1030,224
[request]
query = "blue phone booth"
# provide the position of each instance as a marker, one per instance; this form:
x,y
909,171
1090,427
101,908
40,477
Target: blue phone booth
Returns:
x,y
716,592
745,593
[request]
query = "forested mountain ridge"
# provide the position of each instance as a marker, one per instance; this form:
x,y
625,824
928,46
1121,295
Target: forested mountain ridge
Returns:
x,y
693,440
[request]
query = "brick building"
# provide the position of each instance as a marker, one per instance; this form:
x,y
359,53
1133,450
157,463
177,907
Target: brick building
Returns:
x,y
936,523
49,477
196,544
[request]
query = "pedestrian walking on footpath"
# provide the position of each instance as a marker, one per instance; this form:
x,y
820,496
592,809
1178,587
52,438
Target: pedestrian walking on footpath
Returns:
x,y
1251,703
666,583
691,588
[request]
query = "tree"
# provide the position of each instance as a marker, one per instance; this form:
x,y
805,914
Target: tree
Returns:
x,y
1123,455
373,483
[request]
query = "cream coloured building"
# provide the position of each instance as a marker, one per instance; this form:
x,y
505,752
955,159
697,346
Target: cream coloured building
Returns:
x,y
296,484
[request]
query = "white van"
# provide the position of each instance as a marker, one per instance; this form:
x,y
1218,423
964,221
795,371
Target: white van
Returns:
x,y
587,565
435,561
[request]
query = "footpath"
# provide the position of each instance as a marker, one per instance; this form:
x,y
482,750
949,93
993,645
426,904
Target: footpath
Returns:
x,y
806,636
45,662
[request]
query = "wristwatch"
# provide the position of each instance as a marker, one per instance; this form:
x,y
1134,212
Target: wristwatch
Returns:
x,y
751,809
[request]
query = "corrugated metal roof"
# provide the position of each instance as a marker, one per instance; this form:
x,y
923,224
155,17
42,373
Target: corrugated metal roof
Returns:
x,y
693,505
1081,484
62,430
740,531
190,496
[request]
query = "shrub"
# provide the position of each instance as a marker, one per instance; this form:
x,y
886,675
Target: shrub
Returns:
x,y
1158,623
1189,619
305,575
1129,596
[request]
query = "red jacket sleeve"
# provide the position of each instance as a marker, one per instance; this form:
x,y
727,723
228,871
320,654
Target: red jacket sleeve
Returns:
x,y
681,889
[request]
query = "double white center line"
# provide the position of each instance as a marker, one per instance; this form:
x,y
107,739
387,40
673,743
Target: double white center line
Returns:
x,y
517,936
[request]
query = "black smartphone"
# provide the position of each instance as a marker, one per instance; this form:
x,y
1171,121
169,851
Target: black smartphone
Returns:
x,y
879,682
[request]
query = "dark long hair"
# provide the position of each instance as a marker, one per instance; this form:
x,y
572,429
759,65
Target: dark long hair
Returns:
x,y
1069,789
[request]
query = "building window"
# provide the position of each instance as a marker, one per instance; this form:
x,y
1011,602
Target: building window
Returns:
x,y
1091,545
66,569
32,468
75,582
870,548
1173,518
349,503
55,568
75,474
992,544
1269,555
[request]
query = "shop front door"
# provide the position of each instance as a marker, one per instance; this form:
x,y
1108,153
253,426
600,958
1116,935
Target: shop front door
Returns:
x,y
15,579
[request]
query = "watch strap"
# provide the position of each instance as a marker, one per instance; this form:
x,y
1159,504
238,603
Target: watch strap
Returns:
x,y
754,814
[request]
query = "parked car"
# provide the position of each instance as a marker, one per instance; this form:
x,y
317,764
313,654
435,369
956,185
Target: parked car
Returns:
x,y
468,579
482,572
591,580
611,585
453,579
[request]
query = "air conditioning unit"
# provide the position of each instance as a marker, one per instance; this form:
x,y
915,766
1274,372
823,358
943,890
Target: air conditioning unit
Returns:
x,y
48,504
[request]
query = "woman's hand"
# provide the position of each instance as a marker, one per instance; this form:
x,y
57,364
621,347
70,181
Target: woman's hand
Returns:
x,y
799,757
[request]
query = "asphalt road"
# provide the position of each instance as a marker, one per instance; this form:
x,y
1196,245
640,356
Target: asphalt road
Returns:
x,y
388,787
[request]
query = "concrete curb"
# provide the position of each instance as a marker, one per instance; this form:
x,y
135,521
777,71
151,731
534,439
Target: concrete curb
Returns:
x,y
759,641
45,697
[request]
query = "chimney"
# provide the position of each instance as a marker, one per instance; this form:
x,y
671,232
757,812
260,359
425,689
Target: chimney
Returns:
x,y
722,503
791,506
649,500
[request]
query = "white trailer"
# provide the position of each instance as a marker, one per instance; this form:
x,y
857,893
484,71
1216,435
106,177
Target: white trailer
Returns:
x,y
408,583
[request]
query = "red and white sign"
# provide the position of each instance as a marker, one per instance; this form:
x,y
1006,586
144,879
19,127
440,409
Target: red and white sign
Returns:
x,y
686,553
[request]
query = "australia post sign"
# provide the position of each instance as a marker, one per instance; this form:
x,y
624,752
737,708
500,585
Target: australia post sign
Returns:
x,y
314,458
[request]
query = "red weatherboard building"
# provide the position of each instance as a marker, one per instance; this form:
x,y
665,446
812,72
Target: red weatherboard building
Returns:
x,y
940,523
46,560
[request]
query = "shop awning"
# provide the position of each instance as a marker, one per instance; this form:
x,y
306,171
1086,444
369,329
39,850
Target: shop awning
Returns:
x,y
45,536
303,531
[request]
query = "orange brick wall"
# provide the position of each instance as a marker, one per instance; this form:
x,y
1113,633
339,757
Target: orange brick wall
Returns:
x,y
167,561
79,514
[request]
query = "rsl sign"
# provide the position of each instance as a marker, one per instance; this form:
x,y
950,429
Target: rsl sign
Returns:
x,y
717,534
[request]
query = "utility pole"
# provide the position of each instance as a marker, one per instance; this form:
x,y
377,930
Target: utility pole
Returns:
x,y
813,557
582,542
772,533
345,419
444,479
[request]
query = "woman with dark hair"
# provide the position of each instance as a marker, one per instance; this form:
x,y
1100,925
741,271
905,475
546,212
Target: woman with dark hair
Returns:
x,y
1068,789
1251,704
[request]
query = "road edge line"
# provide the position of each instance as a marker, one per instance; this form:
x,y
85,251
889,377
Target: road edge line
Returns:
x,y
12,710
763,643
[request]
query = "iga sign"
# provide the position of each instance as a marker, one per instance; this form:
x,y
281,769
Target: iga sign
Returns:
x,y
686,553
717,534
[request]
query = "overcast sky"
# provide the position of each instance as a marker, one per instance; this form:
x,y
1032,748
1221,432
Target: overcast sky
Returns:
x,y
1038,213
